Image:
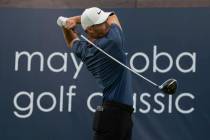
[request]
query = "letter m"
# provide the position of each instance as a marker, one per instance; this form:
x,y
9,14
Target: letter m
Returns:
x,y
29,59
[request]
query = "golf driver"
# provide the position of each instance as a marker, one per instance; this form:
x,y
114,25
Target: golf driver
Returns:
x,y
168,87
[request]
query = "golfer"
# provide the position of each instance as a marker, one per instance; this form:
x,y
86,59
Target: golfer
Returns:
x,y
113,119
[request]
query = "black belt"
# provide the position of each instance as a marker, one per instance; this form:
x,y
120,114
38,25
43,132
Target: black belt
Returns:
x,y
110,104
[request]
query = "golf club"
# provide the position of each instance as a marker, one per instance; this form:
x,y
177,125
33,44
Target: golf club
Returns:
x,y
168,87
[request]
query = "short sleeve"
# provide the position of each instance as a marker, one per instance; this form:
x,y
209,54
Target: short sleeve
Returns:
x,y
113,38
79,48
115,30
114,33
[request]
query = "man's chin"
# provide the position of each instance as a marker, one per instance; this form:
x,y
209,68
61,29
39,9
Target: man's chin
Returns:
x,y
104,34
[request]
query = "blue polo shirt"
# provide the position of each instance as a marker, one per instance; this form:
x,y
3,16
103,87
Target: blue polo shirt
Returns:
x,y
113,79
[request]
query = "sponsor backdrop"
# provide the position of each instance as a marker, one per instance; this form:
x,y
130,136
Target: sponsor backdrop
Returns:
x,y
48,94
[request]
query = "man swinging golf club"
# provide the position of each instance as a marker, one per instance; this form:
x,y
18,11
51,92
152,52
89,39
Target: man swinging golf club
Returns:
x,y
112,121
104,55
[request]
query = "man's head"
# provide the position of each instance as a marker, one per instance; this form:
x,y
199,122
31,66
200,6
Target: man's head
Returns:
x,y
94,22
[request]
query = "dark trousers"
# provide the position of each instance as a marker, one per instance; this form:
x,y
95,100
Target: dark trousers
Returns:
x,y
113,121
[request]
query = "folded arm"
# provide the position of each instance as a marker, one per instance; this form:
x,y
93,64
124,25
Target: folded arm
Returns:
x,y
69,36
71,23
68,30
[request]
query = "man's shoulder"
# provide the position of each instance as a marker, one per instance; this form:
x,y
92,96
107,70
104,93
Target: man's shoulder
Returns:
x,y
115,31
114,26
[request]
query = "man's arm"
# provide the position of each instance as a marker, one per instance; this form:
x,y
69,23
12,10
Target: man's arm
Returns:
x,y
69,36
72,22
114,19
77,19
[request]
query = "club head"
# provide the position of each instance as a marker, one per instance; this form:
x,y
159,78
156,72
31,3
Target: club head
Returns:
x,y
169,86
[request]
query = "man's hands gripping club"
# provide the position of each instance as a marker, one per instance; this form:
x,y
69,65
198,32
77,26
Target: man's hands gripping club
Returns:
x,y
68,25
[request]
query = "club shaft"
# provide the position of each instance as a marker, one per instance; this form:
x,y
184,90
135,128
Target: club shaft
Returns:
x,y
119,62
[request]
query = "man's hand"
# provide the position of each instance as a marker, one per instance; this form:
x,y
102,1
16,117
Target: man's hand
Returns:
x,y
61,21
70,23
